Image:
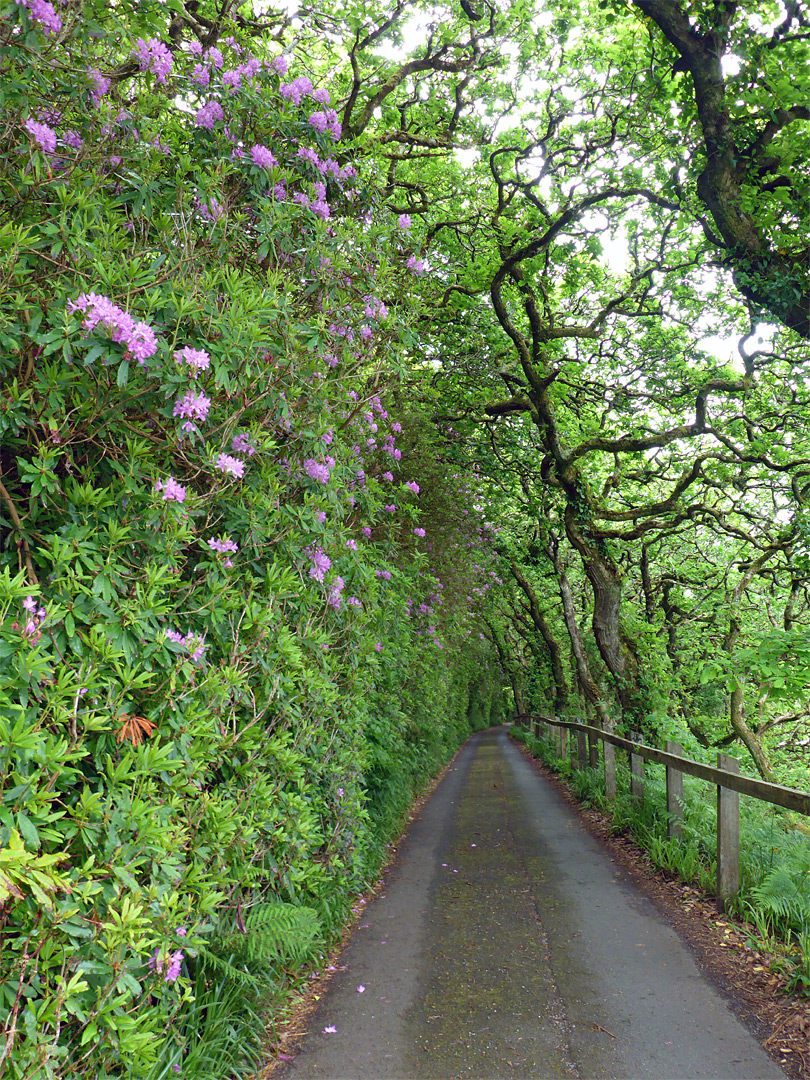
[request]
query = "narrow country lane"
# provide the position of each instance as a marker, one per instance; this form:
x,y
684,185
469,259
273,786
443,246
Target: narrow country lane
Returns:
x,y
508,944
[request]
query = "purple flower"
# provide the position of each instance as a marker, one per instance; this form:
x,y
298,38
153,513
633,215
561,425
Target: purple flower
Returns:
x,y
173,968
209,209
321,95
192,406
241,444
43,135
404,221
222,546
172,491
154,56
320,564
279,64
101,86
137,336
378,646
201,75
384,574
262,156
388,476
390,508
215,56
230,465
396,427
197,359
319,121
306,153
321,516
418,532
352,545
412,484
209,114
335,589
366,531
315,470
43,12
417,265
181,931
296,89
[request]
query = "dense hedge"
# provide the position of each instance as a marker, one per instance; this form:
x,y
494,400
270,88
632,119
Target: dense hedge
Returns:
x,y
229,654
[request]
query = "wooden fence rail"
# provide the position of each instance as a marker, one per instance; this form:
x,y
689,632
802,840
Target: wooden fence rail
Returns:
x,y
730,785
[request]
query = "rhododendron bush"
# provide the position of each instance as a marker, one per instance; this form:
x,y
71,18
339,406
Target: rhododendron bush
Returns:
x,y
229,651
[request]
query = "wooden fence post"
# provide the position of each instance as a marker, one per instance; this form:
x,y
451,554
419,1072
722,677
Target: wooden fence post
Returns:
x,y
674,795
728,836
565,745
636,771
610,771
593,751
582,750
558,741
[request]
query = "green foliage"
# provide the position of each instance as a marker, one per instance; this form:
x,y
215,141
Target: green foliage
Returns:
x,y
226,666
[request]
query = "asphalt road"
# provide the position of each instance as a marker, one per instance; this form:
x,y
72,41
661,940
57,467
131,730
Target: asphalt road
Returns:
x,y
508,944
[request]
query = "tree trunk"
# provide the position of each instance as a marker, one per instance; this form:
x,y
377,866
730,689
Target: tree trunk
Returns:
x,y
586,681
616,650
551,643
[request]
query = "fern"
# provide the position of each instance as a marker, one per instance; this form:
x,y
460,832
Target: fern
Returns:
x,y
273,933
784,896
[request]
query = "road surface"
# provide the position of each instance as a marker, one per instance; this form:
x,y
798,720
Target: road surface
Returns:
x,y
508,944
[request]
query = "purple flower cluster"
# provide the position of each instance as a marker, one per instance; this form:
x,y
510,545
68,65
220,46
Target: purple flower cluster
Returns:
x,y
192,406
229,465
101,86
209,114
336,587
241,444
43,135
326,121
318,470
154,56
169,966
139,337
44,13
412,484
171,490
193,643
209,208
201,75
294,91
262,157
197,359
223,546
320,564
34,618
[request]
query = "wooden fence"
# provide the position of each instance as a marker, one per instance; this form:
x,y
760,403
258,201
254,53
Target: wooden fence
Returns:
x,y
730,785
